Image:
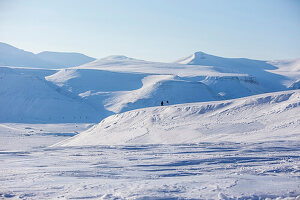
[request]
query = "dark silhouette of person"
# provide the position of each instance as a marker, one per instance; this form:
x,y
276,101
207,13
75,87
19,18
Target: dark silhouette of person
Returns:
x,y
162,103
167,102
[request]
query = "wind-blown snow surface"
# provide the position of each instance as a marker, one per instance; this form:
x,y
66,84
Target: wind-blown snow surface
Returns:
x,y
262,118
195,171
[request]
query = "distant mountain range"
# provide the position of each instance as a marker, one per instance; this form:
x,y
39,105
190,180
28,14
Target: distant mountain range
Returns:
x,y
12,56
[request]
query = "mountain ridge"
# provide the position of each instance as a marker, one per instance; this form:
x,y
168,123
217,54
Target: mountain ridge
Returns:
x,y
13,56
65,59
117,84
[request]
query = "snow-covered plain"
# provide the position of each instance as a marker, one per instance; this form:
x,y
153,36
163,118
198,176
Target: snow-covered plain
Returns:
x,y
209,143
184,171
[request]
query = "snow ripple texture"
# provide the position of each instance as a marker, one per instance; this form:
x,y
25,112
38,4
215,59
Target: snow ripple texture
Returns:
x,y
267,170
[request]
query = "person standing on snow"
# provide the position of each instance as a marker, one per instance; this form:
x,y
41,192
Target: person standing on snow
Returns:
x,y
162,103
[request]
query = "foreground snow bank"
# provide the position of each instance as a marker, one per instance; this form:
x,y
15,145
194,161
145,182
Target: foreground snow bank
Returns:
x,y
272,116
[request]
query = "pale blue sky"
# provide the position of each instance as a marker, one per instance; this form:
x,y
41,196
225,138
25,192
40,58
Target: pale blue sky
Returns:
x,y
158,30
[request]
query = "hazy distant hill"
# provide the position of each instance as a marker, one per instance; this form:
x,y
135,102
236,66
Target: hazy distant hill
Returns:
x,y
12,56
65,59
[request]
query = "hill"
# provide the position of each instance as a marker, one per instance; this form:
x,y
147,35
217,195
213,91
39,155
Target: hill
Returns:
x,y
26,97
117,84
65,59
266,117
12,56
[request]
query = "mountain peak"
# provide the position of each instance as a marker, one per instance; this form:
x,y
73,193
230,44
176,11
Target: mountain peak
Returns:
x,y
12,56
192,58
199,53
117,57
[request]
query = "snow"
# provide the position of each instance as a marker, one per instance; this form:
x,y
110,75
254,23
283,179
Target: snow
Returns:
x,y
263,71
121,99
184,171
131,91
116,84
288,68
62,76
262,118
26,97
208,143
131,65
25,137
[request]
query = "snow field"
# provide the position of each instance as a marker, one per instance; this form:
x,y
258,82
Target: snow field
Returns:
x,y
184,171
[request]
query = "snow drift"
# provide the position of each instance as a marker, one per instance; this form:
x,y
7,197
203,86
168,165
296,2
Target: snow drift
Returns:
x,y
272,116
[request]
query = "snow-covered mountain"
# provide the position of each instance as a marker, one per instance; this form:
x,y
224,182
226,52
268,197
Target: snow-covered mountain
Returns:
x,y
289,69
65,59
266,117
119,91
25,96
267,73
237,142
117,84
12,56
121,83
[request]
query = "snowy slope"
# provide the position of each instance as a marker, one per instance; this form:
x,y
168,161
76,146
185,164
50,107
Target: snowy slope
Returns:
x,y
267,117
261,70
25,96
289,69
